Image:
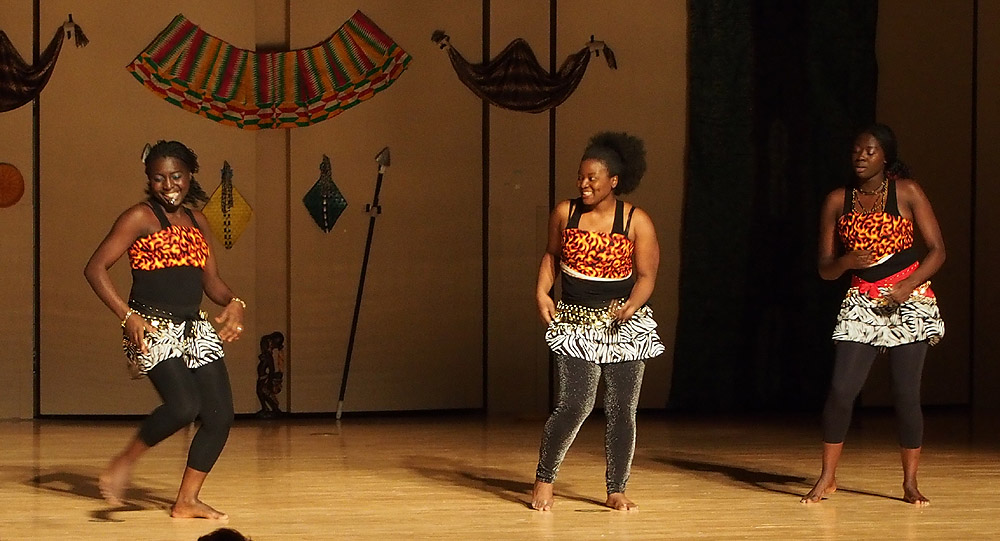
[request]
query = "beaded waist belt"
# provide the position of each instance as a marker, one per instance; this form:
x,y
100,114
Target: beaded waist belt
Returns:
x,y
161,318
574,314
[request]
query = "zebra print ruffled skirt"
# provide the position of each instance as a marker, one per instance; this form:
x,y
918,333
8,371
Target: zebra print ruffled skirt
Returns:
x,y
593,334
194,341
883,323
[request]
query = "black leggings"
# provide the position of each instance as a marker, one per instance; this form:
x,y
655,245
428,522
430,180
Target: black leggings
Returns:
x,y
578,381
850,370
190,393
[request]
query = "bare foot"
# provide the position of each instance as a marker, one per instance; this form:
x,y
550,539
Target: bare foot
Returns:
x,y
196,509
912,495
541,496
114,479
617,500
822,489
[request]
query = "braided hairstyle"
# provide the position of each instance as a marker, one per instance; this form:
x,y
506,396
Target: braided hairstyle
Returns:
x,y
895,169
624,155
177,150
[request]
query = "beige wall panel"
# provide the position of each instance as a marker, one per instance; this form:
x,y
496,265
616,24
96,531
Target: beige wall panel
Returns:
x,y
645,96
519,188
271,29
271,212
924,52
270,311
986,371
16,227
419,338
95,119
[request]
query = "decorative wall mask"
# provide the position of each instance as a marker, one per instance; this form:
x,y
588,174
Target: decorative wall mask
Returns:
x,y
515,80
324,201
203,74
11,185
228,213
21,82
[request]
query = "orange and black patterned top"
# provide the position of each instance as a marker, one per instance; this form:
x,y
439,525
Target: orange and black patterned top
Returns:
x,y
880,232
596,266
174,246
596,256
167,266
888,235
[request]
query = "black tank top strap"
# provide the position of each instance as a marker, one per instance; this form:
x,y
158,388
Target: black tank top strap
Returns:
x,y
191,216
575,206
891,204
158,211
628,222
162,216
619,224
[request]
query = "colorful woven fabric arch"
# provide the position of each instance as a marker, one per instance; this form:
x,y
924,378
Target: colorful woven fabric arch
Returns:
x,y
203,74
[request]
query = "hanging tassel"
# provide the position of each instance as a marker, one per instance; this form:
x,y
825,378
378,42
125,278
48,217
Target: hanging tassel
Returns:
x,y
73,30
441,39
226,205
609,55
597,47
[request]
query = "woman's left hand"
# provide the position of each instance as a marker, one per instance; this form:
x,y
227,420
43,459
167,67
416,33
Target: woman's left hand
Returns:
x,y
626,311
231,321
901,291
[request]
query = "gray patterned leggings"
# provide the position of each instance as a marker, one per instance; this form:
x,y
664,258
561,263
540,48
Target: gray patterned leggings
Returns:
x,y
578,381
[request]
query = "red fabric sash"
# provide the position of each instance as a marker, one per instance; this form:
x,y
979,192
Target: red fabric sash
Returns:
x,y
871,288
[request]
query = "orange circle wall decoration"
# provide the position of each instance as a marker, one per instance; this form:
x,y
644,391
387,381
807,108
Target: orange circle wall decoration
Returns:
x,y
11,185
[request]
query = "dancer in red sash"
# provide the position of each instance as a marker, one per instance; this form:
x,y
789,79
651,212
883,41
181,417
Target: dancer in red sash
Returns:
x,y
867,229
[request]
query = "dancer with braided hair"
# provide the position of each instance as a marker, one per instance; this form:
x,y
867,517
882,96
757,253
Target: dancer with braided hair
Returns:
x,y
165,335
867,229
607,254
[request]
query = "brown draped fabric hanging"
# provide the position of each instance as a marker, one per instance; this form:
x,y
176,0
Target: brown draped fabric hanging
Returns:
x,y
514,80
21,82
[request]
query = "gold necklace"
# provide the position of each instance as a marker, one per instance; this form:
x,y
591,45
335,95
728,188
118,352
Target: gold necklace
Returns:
x,y
877,206
881,188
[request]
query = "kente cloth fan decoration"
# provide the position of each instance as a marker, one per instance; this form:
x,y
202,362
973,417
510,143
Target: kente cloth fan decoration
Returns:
x,y
515,80
203,74
228,213
324,201
21,82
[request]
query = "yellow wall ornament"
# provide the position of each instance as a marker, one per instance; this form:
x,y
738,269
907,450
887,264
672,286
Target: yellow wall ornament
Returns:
x,y
228,213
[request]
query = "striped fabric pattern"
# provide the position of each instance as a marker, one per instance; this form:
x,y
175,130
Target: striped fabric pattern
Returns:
x,y
197,346
203,74
865,320
604,340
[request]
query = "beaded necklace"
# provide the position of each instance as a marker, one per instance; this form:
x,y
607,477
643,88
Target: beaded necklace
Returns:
x,y
877,206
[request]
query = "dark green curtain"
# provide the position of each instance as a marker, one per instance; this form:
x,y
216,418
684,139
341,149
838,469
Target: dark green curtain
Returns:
x,y
777,89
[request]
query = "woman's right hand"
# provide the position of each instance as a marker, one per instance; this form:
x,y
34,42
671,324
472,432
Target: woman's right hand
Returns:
x,y
136,328
546,308
858,259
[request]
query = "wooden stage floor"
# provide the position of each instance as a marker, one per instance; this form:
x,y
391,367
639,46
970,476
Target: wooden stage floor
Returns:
x,y
440,476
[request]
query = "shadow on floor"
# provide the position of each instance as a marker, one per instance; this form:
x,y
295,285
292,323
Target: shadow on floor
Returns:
x,y
500,483
780,483
84,485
